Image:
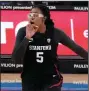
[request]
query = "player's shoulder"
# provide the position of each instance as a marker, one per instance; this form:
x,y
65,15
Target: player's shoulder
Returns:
x,y
22,29
58,31
58,34
21,32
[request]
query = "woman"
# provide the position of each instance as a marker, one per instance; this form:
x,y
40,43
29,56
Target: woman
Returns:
x,y
36,45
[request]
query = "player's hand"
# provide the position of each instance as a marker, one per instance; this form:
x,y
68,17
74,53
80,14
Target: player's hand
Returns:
x,y
31,29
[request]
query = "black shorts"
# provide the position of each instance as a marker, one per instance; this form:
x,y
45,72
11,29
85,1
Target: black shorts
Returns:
x,y
42,85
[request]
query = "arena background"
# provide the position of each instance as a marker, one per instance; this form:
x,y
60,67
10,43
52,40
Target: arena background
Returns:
x,y
69,16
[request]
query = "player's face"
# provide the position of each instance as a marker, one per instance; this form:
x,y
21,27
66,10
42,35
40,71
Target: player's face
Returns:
x,y
36,17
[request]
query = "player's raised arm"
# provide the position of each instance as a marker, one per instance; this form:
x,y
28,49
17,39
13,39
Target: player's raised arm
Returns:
x,y
22,41
20,45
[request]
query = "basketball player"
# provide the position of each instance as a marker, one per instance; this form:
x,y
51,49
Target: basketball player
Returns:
x,y
36,45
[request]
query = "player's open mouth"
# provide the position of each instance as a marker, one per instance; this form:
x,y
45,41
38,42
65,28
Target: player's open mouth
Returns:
x,y
32,22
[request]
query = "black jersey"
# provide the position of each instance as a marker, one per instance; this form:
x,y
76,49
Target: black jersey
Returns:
x,y
39,53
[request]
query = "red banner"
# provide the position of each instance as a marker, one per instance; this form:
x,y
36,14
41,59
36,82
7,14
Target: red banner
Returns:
x,y
74,24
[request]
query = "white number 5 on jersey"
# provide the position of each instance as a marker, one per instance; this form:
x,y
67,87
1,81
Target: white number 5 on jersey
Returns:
x,y
39,56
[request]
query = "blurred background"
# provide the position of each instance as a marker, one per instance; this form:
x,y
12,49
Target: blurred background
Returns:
x,y
69,16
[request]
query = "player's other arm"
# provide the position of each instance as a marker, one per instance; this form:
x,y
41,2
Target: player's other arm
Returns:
x,y
65,40
21,44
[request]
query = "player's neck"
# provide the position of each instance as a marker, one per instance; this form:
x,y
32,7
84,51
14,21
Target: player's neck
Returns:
x,y
42,28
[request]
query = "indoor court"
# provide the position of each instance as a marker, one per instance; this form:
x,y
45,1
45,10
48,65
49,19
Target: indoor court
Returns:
x,y
72,82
